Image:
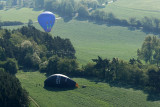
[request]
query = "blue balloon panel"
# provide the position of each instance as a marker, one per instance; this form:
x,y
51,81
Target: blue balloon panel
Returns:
x,y
46,20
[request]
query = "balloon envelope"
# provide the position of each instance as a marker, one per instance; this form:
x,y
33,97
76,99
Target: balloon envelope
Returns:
x,y
46,20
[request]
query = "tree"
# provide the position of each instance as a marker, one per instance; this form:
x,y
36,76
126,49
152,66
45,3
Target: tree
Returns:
x,y
102,65
67,66
52,65
11,92
156,22
69,9
153,74
30,22
83,12
132,61
111,17
101,2
32,61
11,2
2,54
132,21
147,24
39,3
146,51
89,70
1,6
156,55
20,3
11,66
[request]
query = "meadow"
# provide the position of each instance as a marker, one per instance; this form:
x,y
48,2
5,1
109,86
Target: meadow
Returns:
x,y
96,94
89,39
125,9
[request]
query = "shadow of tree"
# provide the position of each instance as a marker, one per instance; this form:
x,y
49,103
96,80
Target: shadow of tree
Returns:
x,y
151,95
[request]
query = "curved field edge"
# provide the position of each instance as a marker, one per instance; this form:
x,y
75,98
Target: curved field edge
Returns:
x,y
94,95
125,9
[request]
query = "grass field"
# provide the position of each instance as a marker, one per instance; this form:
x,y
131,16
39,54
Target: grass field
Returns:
x,y
136,8
91,40
88,38
96,94
22,15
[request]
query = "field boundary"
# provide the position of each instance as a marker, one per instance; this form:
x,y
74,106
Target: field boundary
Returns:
x,y
158,11
33,101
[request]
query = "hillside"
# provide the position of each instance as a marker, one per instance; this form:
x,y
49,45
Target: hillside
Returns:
x,y
90,39
136,8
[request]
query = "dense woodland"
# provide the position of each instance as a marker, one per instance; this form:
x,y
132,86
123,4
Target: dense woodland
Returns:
x,y
11,92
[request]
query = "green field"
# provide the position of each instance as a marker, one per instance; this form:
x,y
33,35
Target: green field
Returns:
x,y
22,15
136,8
89,39
94,95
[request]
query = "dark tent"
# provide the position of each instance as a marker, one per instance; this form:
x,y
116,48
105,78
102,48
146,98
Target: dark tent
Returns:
x,y
59,80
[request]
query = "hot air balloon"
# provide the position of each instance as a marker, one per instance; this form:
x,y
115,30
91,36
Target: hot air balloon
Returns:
x,y
46,20
60,81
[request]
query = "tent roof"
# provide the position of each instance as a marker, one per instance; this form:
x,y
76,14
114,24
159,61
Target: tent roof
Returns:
x,y
59,75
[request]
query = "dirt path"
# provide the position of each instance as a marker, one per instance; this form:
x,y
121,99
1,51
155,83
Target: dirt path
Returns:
x,y
34,101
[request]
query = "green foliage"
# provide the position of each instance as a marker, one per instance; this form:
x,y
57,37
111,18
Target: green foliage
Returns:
x,y
30,22
52,5
101,1
149,51
52,65
90,3
153,75
55,46
60,65
29,45
131,73
11,92
2,54
1,6
10,23
32,61
67,66
88,70
39,3
83,12
67,8
10,65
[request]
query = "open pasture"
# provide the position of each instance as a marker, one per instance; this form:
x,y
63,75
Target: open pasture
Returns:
x,y
125,9
96,94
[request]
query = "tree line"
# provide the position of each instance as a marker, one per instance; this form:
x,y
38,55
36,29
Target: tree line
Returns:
x,y
88,9
132,72
10,23
146,24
